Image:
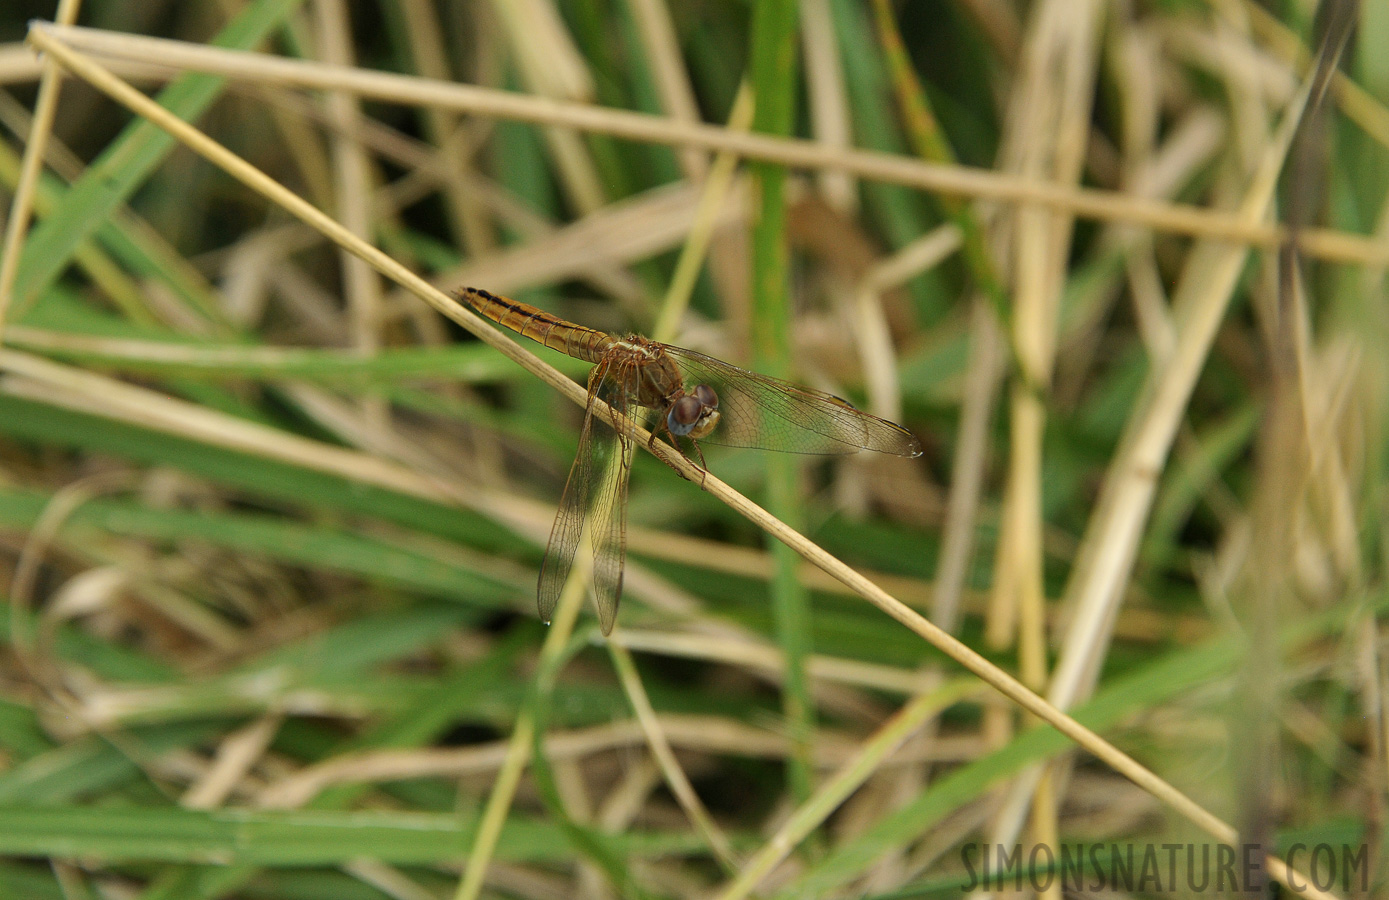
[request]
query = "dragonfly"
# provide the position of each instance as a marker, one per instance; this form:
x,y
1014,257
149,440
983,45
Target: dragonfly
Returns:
x,y
696,398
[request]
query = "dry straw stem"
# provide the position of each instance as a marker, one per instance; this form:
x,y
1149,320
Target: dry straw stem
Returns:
x,y
1359,105
831,122
235,756
712,199
827,798
45,39
963,181
352,178
22,205
1048,123
1104,563
693,733
675,776
663,55
522,742
1048,127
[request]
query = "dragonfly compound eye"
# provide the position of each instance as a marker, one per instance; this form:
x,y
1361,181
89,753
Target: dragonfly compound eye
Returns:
x,y
707,398
708,411
684,415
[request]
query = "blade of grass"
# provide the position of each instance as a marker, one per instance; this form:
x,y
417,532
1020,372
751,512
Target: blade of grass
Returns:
x,y
315,545
676,779
189,882
97,265
231,837
264,476
900,213
812,814
520,747
468,363
127,237
31,167
932,145
119,171
91,767
774,71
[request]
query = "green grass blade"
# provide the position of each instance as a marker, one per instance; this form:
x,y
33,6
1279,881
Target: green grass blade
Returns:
x,y
129,160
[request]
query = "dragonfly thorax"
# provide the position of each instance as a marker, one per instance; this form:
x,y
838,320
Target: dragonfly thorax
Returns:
x,y
694,414
659,385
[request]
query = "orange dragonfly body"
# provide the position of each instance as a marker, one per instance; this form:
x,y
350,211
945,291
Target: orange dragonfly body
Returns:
x,y
697,398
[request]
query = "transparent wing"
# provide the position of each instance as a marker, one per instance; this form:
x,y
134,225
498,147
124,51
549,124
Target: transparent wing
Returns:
x,y
568,529
596,492
771,414
608,514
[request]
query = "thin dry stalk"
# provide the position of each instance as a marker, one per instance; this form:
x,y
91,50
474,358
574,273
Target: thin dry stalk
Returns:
x,y
1050,121
959,181
521,744
675,776
663,55
469,221
552,67
1051,118
829,101
812,814
22,206
352,179
235,756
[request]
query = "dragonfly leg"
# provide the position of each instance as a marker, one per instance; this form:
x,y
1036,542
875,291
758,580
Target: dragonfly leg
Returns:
x,y
675,442
703,467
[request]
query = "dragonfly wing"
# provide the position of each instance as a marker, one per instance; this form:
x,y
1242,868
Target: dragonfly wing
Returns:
x,y
608,521
770,414
566,533
596,493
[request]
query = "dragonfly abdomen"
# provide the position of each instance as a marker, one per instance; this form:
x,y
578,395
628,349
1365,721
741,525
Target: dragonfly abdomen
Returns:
x,y
538,325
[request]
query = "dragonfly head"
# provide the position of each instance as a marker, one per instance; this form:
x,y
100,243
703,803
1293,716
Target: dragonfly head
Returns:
x,y
694,414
